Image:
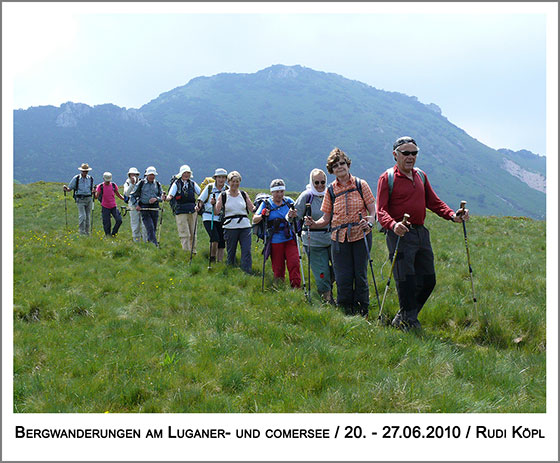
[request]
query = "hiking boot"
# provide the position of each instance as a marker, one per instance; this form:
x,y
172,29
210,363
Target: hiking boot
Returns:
x,y
212,259
400,323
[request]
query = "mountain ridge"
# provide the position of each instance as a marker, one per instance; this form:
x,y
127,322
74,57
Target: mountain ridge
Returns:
x,y
281,121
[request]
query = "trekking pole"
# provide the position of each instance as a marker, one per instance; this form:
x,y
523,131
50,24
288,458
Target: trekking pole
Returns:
x,y
370,266
404,222
308,213
91,215
160,222
65,209
264,249
305,290
211,231
193,238
461,212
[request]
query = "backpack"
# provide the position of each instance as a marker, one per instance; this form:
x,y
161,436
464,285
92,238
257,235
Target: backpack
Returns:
x,y
77,177
272,226
205,182
333,197
391,180
223,211
101,192
211,186
141,183
172,201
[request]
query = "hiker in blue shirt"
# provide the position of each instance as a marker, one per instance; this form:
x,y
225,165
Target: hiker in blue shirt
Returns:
x,y
318,241
284,250
149,194
82,185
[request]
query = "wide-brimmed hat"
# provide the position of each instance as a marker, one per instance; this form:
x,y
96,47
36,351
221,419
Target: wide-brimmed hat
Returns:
x,y
85,166
107,176
133,170
184,168
151,170
219,172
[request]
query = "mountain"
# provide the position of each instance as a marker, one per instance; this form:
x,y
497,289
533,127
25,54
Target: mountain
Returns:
x,y
281,121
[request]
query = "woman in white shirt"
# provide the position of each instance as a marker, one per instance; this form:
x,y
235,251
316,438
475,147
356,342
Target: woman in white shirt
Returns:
x,y
236,206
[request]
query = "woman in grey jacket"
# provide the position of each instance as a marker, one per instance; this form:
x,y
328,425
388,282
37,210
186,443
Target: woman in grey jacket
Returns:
x,y
317,241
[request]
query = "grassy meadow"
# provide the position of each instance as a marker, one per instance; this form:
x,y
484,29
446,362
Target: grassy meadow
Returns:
x,y
111,325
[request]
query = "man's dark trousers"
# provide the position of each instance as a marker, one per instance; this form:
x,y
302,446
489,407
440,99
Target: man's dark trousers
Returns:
x,y
414,271
149,219
106,214
350,264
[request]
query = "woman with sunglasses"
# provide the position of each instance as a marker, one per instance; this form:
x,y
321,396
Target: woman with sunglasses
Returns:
x,y
350,212
317,241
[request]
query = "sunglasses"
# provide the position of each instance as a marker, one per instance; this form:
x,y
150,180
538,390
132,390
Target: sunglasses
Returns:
x,y
407,153
338,164
322,182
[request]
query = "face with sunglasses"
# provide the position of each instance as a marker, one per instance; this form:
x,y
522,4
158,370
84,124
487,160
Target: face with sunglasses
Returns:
x,y
405,155
319,182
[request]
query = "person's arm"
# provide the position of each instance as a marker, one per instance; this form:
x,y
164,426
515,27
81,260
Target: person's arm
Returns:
x,y
197,188
435,204
118,194
261,211
218,207
172,192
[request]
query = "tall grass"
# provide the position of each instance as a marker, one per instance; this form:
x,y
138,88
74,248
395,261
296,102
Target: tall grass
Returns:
x,y
111,325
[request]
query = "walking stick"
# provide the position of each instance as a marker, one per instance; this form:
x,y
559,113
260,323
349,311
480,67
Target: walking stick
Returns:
x,y
193,238
160,222
308,213
211,231
91,215
461,212
371,266
305,289
65,210
264,249
380,316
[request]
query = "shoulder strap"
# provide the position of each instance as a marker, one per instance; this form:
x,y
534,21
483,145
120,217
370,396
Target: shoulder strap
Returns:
x,y
359,187
114,187
421,174
224,199
245,198
390,179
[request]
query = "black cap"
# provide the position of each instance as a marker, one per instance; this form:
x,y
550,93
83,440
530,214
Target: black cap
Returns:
x,y
403,141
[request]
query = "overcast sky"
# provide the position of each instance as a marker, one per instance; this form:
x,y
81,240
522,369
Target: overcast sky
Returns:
x,y
485,66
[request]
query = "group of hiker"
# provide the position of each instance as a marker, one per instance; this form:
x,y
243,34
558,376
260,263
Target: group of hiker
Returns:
x,y
333,223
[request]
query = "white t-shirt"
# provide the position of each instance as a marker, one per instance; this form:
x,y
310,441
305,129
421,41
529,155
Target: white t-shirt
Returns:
x,y
235,205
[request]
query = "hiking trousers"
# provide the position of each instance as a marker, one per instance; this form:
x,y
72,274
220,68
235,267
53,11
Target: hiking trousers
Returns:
x,y
286,254
106,214
84,214
186,224
414,270
149,219
243,237
350,264
320,266
138,230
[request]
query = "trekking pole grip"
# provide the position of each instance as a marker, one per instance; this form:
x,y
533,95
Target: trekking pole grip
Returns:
x,y
405,219
462,207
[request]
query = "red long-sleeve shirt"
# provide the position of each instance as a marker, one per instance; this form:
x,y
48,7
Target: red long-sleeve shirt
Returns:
x,y
408,196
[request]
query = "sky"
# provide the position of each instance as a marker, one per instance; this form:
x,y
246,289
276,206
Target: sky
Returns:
x,y
484,66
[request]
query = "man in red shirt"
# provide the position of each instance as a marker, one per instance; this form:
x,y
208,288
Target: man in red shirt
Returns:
x,y
411,193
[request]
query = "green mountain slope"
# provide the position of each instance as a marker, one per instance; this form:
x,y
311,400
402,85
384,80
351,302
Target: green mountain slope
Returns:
x,y
279,122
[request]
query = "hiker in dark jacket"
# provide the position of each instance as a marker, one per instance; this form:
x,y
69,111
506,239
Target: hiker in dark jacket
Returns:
x,y
349,251
82,185
136,226
106,193
317,241
185,191
149,194
235,221
406,189
284,251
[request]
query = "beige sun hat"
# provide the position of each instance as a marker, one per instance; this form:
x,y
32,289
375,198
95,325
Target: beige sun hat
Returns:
x,y
84,167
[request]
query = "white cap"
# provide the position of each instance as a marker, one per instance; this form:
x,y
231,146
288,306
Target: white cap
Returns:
x,y
133,170
151,170
219,172
107,176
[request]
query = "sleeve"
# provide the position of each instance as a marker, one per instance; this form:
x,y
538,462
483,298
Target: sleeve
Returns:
x,y
136,191
368,194
98,189
382,207
205,193
260,208
326,207
300,204
173,189
435,204
73,185
127,187
197,188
